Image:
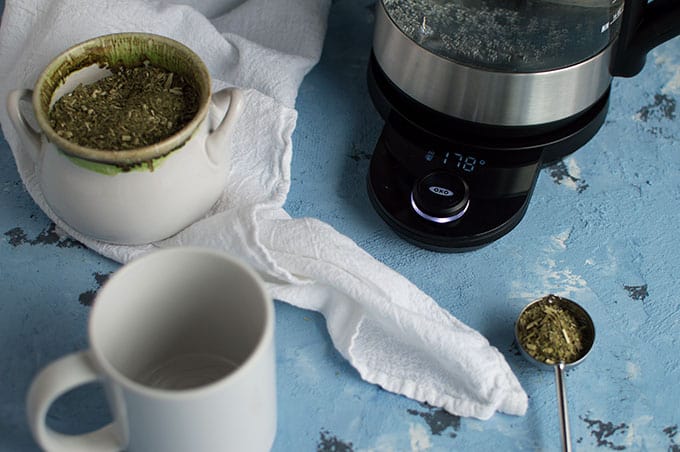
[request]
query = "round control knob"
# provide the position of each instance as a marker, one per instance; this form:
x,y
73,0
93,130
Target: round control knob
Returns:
x,y
440,196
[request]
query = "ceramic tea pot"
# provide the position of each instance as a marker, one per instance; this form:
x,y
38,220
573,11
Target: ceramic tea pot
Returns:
x,y
132,196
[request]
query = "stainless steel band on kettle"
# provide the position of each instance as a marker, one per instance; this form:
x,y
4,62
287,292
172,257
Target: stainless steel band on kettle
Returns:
x,y
484,96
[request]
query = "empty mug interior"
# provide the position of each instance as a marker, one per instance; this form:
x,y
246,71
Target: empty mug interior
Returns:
x,y
179,319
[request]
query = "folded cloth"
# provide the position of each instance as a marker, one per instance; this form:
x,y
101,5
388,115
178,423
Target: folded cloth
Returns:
x,y
389,330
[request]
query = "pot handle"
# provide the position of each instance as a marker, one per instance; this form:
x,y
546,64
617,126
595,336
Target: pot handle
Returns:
x,y
644,26
20,123
216,143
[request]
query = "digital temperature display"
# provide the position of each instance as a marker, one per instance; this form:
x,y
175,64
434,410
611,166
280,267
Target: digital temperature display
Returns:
x,y
463,162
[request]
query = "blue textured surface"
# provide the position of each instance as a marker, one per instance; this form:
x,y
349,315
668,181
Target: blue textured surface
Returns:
x,y
602,228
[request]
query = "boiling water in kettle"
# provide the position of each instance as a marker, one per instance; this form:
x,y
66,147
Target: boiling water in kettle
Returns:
x,y
509,35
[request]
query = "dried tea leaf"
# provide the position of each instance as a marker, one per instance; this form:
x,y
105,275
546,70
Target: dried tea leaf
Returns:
x,y
133,107
551,333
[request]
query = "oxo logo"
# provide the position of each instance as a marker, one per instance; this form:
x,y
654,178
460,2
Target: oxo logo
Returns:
x,y
441,191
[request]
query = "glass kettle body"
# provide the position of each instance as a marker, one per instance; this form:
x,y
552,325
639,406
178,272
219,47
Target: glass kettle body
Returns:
x,y
509,36
516,62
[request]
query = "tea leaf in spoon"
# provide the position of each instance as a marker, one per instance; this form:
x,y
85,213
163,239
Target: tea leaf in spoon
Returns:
x,y
550,333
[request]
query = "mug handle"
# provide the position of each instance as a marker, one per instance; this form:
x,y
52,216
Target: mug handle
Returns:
x,y
215,144
54,380
20,123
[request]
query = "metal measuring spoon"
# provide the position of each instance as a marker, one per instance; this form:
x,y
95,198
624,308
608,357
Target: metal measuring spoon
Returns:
x,y
586,329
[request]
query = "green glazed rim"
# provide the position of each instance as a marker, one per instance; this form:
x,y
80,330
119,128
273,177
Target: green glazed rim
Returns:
x,y
115,50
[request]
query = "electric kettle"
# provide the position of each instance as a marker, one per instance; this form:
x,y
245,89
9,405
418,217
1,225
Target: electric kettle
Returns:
x,y
478,95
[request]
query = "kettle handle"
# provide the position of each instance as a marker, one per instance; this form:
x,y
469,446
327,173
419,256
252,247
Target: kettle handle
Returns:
x,y
644,26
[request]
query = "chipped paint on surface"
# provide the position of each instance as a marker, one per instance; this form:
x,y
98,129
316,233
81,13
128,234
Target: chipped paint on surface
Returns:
x,y
559,241
419,438
632,370
663,107
567,173
550,274
607,434
357,154
631,439
330,443
87,298
52,235
673,85
306,368
666,60
670,432
637,292
438,420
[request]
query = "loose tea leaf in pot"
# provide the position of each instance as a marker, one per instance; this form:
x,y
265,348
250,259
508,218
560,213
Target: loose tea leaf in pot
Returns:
x,y
550,332
132,108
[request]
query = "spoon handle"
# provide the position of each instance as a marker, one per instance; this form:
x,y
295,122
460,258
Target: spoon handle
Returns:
x,y
562,401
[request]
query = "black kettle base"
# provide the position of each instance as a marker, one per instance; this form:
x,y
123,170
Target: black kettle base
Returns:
x,y
389,186
451,186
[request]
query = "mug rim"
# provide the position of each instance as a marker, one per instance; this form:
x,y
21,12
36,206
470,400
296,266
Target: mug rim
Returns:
x,y
261,347
127,156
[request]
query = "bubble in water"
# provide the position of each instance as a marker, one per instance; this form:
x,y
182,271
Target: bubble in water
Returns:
x,y
509,35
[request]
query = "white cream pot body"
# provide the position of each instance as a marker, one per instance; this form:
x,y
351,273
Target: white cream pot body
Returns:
x,y
146,203
151,195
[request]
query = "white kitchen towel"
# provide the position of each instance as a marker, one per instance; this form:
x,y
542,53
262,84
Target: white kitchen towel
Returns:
x,y
391,332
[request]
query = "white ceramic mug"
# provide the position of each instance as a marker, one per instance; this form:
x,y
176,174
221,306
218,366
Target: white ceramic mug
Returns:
x,y
133,196
182,341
